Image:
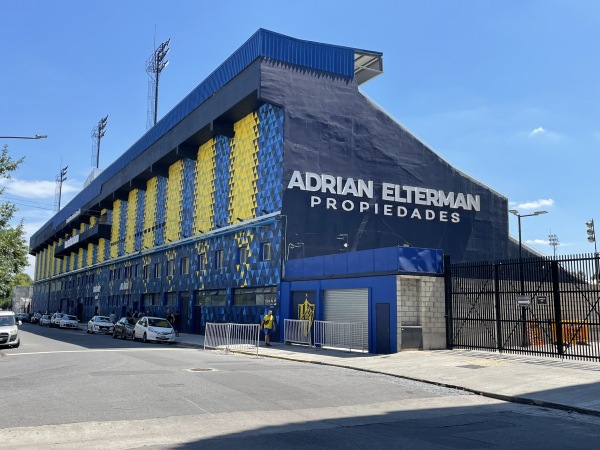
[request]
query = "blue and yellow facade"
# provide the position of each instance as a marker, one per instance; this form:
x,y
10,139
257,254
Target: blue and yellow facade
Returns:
x,y
276,156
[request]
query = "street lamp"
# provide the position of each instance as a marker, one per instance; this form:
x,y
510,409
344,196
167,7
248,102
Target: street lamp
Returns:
x,y
553,241
37,136
521,276
591,233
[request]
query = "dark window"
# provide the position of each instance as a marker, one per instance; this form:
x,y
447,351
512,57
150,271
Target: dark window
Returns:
x,y
255,296
218,259
265,251
170,268
157,270
202,261
242,254
146,271
211,298
185,266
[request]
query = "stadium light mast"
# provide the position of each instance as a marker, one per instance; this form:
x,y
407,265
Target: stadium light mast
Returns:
x,y
154,66
553,241
60,179
98,133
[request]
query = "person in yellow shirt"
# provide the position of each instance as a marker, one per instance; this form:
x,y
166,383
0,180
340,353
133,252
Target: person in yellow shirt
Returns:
x,y
268,326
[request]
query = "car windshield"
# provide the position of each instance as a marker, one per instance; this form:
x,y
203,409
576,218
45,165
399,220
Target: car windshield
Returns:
x,y
154,322
130,321
6,321
103,319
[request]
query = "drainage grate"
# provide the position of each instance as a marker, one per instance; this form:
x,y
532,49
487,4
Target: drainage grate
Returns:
x,y
471,366
200,369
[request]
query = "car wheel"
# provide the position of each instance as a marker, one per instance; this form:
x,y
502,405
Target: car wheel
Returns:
x,y
145,339
123,335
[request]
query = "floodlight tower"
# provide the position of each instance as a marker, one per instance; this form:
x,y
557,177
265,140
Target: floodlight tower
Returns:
x,y
98,133
60,179
154,66
553,241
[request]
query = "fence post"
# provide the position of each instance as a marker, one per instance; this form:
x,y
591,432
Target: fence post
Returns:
x,y
557,308
500,342
448,298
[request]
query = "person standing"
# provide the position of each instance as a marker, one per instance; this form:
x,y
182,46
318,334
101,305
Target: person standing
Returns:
x,y
113,317
268,325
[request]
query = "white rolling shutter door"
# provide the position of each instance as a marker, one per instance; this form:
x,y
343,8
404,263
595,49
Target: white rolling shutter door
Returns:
x,y
348,305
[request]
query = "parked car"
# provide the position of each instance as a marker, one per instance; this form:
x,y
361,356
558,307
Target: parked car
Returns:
x,y
35,318
55,319
46,319
67,321
9,331
23,317
100,324
154,329
124,328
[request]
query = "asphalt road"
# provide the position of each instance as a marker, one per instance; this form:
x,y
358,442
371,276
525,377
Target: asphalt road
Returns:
x,y
69,389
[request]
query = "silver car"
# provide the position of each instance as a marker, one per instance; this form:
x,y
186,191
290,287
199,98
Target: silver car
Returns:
x,y
67,321
100,324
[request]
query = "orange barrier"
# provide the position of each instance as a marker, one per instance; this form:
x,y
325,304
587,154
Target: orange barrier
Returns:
x,y
572,332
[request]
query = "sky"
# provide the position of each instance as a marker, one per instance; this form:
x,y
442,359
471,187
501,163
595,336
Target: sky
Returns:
x,y
507,92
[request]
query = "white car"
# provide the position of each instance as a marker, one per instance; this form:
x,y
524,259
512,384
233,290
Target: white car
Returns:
x,y
45,320
67,321
9,331
154,329
55,319
100,324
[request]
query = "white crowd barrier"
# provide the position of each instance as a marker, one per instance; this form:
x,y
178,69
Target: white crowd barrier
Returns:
x,y
297,331
342,335
232,336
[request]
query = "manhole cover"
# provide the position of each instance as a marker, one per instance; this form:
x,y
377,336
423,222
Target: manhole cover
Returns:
x,y
200,369
471,366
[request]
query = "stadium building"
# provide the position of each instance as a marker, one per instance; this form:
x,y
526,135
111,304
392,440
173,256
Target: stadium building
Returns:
x,y
276,157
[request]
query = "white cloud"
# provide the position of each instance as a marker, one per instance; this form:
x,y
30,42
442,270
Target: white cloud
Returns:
x,y
531,205
537,131
543,133
36,189
537,242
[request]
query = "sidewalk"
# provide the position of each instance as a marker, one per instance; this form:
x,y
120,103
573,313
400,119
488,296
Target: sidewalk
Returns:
x,y
571,385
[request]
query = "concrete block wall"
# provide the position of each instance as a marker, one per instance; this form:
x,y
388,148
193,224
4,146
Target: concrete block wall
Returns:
x,y
421,310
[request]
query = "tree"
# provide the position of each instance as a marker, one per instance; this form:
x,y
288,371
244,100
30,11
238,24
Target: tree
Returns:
x,y
13,248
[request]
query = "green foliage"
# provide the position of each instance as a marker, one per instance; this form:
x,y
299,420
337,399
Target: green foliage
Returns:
x,y
23,279
13,248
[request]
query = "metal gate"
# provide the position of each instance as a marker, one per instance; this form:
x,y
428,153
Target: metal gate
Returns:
x,y
539,306
348,305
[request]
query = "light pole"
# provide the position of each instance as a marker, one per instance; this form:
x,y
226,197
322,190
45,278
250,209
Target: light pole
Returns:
x,y
521,275
37,136
553,241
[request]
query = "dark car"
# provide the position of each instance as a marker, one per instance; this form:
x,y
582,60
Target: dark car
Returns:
x,y
124,328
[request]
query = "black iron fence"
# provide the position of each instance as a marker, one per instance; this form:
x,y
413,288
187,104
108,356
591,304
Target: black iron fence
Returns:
x,y
538,306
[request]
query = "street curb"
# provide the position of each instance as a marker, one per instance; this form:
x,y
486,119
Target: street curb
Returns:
x,y
506,398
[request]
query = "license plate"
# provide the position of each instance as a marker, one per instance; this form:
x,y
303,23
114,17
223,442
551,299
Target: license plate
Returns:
x,y
162,338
